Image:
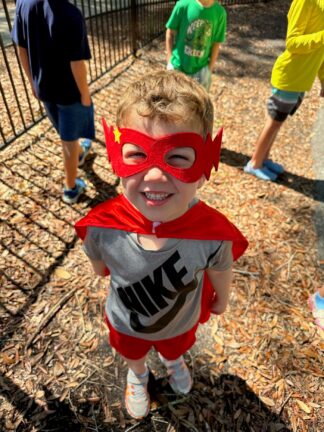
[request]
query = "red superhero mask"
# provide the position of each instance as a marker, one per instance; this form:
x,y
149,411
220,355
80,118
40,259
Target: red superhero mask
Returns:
x,y
207,152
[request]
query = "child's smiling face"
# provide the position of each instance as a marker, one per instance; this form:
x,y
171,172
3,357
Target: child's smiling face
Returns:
x,y
159,196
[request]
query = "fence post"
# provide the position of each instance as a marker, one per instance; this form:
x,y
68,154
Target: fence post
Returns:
x,y
134,25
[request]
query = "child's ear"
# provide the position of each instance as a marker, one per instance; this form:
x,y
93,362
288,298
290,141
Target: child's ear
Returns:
x,y
201,181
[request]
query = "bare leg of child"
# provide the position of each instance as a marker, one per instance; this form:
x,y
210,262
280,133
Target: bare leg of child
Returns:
x,y
260,165
265,142
74,187
137,399
71,153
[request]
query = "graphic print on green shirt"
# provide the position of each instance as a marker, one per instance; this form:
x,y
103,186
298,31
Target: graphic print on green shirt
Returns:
x,y
197,38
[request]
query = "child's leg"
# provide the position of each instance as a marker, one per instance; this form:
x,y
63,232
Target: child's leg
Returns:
x,y
71,148
74,186
316,303
75,121
137,366
265,142
71,153
180,379
137,399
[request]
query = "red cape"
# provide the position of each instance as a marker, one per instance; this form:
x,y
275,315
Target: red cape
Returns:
x,y
200,222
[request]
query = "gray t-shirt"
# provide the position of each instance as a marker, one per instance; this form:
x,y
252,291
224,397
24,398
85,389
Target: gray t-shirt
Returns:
x,y
155,295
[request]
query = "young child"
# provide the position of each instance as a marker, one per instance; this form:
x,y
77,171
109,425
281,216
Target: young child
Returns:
x,y
293,73
167,252
194,33
52,47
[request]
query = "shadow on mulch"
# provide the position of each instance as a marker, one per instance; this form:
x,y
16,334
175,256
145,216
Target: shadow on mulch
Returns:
x,y
228,405
308,187
104,191
250,25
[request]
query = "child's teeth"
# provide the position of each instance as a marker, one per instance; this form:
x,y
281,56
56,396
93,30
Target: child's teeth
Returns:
x,y
156,196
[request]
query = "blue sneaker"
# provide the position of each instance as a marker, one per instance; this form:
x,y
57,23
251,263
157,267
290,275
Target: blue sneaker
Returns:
x,y
261,173
86,147
71,196
274,166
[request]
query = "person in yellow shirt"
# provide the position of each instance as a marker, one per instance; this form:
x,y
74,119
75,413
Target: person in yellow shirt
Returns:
x,y
293,73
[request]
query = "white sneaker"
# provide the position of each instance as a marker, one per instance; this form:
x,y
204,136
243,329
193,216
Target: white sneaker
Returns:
x,y
179,376
137,399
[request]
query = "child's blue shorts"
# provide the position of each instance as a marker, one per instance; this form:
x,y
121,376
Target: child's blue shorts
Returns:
x,y
71,121
283,103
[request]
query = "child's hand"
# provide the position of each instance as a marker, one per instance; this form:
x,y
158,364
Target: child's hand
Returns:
x,y
217,308
322,89
220,281
86,100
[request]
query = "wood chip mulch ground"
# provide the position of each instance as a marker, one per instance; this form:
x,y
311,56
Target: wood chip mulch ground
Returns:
x,y
259,367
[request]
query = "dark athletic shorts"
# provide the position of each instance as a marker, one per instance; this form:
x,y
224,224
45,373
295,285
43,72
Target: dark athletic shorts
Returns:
x,y
282,103
71,121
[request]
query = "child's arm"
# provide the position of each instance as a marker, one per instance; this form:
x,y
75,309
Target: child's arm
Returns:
x,y
99,267
92,248
214,55
221,282
321,78
23,57
297,40
169,41
79,71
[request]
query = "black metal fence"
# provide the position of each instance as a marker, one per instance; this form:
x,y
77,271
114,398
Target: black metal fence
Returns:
x,y
116,29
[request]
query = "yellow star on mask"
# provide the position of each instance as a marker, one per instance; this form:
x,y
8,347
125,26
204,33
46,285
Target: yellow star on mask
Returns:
x,y
117,134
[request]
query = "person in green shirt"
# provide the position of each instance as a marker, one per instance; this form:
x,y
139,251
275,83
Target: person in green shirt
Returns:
x,y
293,74
194,33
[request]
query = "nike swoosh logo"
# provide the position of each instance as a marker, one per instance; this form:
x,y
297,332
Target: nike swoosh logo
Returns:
x,y
168,317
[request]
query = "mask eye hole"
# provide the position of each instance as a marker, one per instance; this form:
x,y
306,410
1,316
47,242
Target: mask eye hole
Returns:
x,y
181,157
133,154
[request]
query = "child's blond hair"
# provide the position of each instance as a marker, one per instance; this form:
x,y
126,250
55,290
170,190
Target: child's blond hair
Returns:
x,y
170,96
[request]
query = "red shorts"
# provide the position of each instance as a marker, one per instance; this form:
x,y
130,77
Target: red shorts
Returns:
x,y
134,348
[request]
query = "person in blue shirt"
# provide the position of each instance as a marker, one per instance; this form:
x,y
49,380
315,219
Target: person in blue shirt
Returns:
x,y
52,46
